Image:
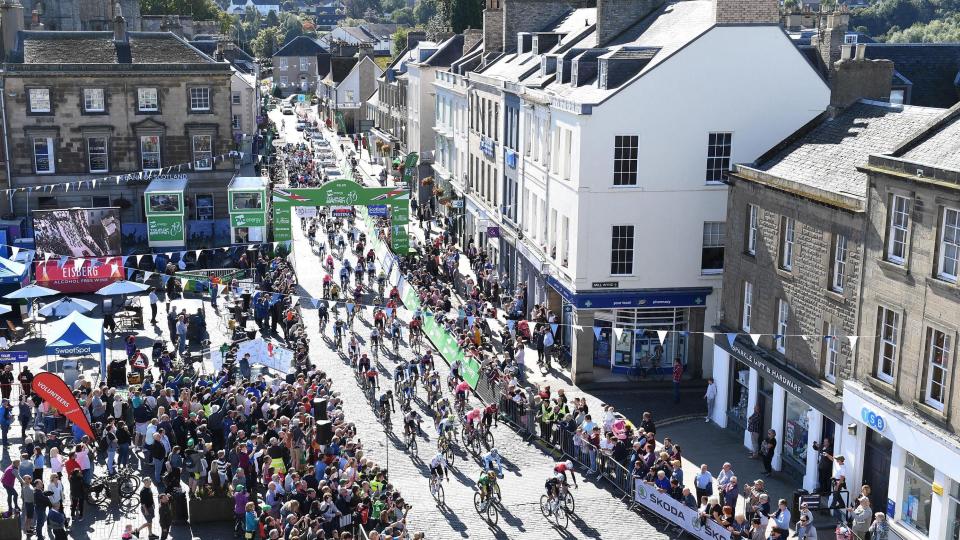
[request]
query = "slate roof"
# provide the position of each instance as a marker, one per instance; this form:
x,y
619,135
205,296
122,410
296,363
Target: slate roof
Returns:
x,y
380,30
825,154
50,47
937,146
447,53
933,68
301,46
359,34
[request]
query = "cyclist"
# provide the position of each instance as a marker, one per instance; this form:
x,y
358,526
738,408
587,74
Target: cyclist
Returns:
x,y
335,292
400,371
339,328
406,389
358,271
462,388
394,294
381,282
353,351
493,457
439,467
345,275
341,244
446,425
426,365
364,363
490,415
371,271
433,383
455,369
379,318
560,477
371,375
329,264
486,483
357,297
411,423
375,338
416,326
395,334
371,255
322,314
473,417
386,402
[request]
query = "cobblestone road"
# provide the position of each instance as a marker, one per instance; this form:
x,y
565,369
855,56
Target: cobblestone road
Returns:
x,y
526,467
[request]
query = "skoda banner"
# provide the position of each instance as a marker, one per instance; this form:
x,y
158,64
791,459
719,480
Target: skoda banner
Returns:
x,y
675,512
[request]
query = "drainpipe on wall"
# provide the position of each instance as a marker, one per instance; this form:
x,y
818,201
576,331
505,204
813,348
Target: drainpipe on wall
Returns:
x,y
6,143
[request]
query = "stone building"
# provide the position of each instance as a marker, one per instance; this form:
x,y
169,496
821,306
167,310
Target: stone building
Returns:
x,y
902,404
92,105
75,15
792,274
299,66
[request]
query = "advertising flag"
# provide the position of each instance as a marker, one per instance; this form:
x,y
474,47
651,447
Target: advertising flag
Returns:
x,y
54,391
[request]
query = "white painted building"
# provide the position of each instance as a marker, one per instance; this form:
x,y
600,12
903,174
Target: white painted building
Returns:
x,y
628,127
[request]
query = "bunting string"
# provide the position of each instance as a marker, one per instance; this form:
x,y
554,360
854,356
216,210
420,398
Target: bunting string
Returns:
x,y
91,183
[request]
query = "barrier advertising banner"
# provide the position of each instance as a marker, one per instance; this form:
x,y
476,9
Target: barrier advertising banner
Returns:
x,y
54,391
675,512
90,276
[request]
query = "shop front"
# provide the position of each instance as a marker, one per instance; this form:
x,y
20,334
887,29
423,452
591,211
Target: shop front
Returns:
x,y
911,465
796,407
647,328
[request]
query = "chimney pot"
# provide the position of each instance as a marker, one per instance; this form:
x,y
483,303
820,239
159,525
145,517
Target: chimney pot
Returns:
x,y
861,52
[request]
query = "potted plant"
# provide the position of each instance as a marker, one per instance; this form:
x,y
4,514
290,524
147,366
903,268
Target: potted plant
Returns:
x,y
438,192
428,181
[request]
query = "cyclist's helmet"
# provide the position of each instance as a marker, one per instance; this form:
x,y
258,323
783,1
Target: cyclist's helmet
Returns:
x,y
389,392
491,473
569,464
493,452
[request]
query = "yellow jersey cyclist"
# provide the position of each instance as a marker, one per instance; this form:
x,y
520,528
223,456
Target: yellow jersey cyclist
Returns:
x,y
487,483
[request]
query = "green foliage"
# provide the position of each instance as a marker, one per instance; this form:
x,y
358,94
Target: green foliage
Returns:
x,y
266,42
390,6
400,40
290,27
946,30
351,22
272,18
465,14
201,10
424,10
404,16
357,8
885,18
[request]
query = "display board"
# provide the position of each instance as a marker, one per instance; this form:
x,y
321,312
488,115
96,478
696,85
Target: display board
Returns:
x,y
78,232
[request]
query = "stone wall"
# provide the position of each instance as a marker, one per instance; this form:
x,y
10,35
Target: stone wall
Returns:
x,y
747,11
615,16
923,300
69,126
806,288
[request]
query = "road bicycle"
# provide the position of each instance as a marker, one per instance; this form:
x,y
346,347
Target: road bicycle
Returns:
x,y
436,489
410,439
489,506
445,447
646,368
396,343
555,512
416,342
127,481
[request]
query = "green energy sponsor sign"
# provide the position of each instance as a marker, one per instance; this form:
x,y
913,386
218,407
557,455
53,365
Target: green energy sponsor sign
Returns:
x,y
281,223
248,219
165,229
445,343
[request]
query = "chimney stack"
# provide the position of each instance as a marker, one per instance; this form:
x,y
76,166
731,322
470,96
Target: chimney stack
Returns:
x,y
415,37
218,53
747,11
615,16
831,30
119,25
471,36
11,23
492,28
854,77
35,20
531,16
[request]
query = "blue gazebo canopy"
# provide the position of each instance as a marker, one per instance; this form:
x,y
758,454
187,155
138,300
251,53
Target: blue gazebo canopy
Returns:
x,y
76,334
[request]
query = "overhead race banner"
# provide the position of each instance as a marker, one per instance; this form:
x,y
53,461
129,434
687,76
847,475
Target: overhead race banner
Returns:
x,y
675,512
54,391
343,193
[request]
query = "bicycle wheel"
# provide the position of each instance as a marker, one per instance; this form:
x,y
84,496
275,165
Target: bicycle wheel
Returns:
x,y
561,517
497,498
544,505
412,444
130,504
493,515
488,440
568,503
97,493
438,494
129,485
449,455
477,502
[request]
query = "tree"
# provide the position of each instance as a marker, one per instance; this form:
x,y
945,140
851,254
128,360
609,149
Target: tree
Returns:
x,y
389,6
201,10
465,14
946,30
266,42
272,18
287,5
290,27
400,40
404,17
440,21
356,8
424,10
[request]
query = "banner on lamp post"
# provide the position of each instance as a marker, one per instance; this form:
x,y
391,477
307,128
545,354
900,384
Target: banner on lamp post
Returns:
x,y
54,391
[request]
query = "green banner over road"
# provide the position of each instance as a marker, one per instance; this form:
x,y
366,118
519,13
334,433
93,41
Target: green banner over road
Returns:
x,y
344,193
